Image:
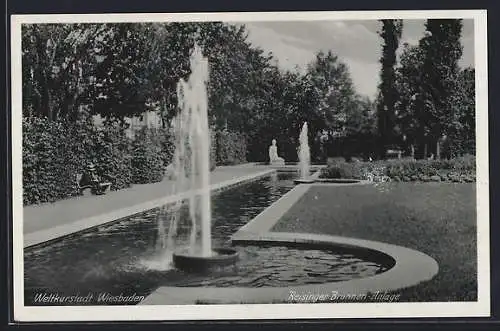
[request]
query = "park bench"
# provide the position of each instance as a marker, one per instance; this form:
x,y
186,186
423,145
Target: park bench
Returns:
x,y
394,153
96,187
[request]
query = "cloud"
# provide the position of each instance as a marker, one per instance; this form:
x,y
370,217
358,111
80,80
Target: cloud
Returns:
x,y
291,43
365,76
357,43
468,57
345,38
286,48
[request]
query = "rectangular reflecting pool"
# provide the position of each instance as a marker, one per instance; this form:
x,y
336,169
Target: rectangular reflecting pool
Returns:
x,y
112,261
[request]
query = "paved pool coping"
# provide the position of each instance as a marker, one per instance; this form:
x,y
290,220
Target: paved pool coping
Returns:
x,y
266,219
46,235
409,267
320,182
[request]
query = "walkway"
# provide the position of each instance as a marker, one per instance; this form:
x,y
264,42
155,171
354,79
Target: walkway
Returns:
x,y
50,220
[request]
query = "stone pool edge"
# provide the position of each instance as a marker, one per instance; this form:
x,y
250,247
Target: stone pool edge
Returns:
x,y
268,218
47,235
411,267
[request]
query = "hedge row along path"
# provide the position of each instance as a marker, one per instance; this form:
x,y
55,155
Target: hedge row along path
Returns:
x,y
47,216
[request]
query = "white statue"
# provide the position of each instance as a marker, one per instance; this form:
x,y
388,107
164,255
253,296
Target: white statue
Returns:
x,y
274,159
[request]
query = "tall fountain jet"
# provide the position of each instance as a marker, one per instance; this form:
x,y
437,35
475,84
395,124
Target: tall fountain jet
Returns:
x,y
304,156
192,172
192,154
304,153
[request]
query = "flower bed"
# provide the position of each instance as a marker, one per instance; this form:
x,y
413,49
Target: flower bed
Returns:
x,y
458,170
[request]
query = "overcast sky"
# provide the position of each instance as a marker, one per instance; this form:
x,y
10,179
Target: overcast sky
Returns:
x,y
355,42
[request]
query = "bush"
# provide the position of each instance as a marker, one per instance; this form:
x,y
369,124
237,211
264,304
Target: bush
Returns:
x,y
408,169
164,139
231,148
466,163
401,168
459,169
54,152
338,169
372,171
112,155
147,159
213,150
335,160
40,170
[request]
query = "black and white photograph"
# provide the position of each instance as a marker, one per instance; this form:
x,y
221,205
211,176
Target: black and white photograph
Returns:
x,y
250,165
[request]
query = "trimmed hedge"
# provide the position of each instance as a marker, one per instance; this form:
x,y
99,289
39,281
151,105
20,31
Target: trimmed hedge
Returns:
x,y
342,170
213,150
164,138
54,152
43,166
111,154
147,160
231,148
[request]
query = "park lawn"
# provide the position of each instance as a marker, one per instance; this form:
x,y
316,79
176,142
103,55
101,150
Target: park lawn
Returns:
x,y
438,219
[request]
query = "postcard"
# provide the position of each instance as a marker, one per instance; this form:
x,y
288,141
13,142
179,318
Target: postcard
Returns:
x,y
250,165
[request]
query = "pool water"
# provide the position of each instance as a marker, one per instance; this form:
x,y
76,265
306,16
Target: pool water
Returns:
x,y
281,266
121,258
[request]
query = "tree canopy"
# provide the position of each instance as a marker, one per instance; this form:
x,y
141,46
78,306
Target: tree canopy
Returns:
x,y
120,70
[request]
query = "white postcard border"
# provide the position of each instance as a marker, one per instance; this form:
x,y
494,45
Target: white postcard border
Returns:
x,y
257,311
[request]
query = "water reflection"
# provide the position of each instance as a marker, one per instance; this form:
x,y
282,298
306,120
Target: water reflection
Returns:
x,y
112,257
122,258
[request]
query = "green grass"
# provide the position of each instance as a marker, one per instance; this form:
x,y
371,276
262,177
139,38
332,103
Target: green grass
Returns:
x,y
438,219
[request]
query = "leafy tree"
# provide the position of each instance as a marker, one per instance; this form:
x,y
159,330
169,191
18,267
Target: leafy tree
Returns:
x,y
57,62
119,70
461,129
167,61
333,85
390,33
122,70
119,73
361,129
236,73
331,97
408,108
442,50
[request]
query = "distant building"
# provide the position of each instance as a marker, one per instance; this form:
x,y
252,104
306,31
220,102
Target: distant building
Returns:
x,y
149,119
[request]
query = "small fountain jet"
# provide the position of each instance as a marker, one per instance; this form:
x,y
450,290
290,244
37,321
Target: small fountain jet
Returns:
x,y
304,157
